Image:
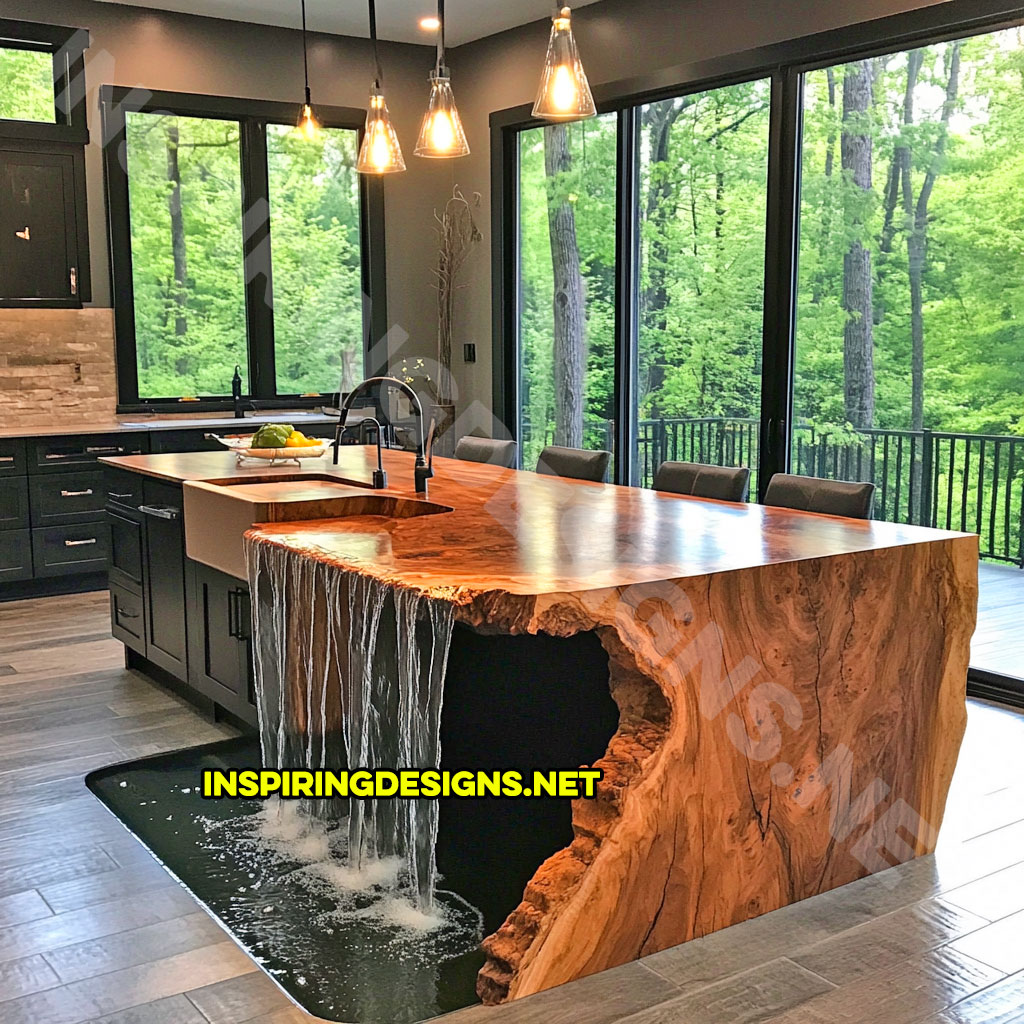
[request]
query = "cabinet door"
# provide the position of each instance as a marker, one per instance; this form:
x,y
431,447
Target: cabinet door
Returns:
x,y
126,547
165,577
15,556
219,645
38,233
62,498
14,503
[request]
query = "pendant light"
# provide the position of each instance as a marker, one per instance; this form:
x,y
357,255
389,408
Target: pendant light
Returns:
x,y
564,93
380,152
308,126
441,134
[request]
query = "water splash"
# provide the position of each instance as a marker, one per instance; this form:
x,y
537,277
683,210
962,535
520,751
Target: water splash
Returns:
x,y
350,674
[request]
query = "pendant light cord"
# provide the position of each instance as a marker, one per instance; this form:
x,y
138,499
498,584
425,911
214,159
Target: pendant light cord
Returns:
x,y
305,58
440,36
373,37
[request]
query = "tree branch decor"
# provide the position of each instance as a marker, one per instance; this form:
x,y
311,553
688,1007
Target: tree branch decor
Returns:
x,y
457,233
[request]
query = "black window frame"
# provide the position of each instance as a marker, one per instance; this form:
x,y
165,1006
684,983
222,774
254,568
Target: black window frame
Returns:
x,y
252,116
67,48
785,64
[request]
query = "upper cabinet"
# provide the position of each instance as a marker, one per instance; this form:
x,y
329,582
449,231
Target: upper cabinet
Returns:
x,y
44,249
40,255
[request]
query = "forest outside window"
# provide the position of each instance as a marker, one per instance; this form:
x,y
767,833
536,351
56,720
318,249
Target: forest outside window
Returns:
x,y
26,77
235,242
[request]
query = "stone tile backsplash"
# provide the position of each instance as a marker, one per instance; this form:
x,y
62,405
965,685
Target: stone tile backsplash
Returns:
x,y
56,366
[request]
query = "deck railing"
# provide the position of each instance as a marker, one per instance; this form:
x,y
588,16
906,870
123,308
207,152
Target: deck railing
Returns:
x,y
968,482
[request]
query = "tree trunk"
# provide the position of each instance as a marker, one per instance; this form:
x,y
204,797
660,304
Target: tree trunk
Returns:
x,y
858,297
569,299
917,239
180,291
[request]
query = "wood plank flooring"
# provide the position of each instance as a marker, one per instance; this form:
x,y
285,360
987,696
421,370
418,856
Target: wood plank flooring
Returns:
x,y
998,643
93,930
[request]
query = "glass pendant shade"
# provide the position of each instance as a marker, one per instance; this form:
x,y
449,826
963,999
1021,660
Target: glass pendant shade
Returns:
x,y
380,152
441,134
564,93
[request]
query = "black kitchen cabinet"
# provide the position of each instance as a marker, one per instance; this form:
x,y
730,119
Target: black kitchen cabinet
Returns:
x,y
14,504
60,499
12,456
40,229
15,556
164,577
220,645
70,550
127,547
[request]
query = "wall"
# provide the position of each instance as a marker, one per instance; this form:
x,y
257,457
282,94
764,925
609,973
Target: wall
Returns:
x,y
618,39
166,51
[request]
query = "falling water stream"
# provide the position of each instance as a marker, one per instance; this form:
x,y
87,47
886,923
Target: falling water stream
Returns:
x,y
350,674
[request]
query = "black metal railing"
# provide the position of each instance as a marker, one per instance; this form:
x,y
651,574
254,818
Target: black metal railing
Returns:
x,y
968,482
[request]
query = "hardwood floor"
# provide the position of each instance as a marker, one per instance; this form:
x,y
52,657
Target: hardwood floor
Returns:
x,y
93,930
998,644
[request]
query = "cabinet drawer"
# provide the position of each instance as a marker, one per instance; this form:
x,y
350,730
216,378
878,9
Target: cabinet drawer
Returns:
x,y
52,454
122,487
14,503
65,498
15,555
171,441
127,621
68,550
12,457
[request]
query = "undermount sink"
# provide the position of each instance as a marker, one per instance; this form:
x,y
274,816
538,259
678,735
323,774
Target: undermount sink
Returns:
x,y
218,514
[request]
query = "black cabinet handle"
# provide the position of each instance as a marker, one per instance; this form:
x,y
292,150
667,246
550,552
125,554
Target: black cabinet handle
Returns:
x,y
119,497
122,614
109,450
160,511
236,627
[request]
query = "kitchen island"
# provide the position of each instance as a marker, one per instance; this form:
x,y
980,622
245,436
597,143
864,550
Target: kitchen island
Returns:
x,y
789,687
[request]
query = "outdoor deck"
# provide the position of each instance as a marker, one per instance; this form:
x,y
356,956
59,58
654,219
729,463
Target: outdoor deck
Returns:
x,y
998,644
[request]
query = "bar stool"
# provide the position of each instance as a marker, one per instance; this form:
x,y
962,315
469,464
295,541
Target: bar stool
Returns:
x,y
575,463
487,450
702,481
813,494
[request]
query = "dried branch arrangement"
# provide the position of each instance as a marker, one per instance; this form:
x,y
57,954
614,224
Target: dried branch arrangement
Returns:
x,y
457,233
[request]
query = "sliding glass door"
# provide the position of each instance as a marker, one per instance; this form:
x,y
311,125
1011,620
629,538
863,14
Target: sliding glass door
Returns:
x,y
703,167
909,348
900,269
566,259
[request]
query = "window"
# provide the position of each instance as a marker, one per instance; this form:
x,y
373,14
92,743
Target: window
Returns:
x,y
701,213
909,368
235,242
26,85
317,260
188,268
567,286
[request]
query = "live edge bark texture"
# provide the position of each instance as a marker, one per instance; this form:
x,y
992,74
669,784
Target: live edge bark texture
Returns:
x,y
784,729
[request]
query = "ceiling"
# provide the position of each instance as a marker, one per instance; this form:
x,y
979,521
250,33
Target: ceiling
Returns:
x,y
396,19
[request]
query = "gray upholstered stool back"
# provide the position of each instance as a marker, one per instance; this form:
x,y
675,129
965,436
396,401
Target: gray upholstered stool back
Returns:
x,y
485,449
703,481
812,494
573,462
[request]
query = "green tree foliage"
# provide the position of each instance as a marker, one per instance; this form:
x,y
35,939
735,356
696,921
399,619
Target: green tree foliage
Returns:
x,y
26,86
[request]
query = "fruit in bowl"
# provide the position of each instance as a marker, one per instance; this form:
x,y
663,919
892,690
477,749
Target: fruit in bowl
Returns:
x,y
272,435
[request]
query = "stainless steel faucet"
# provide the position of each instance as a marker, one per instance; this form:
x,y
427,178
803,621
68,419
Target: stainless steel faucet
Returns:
x,y
424,469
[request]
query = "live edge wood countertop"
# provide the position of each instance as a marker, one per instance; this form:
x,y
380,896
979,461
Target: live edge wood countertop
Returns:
x,y
525,534
791,687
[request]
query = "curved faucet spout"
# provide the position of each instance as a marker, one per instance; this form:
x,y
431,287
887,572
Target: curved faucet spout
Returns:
x,y
424,452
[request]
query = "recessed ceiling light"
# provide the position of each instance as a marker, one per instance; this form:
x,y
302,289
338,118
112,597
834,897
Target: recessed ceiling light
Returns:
x,y
430,24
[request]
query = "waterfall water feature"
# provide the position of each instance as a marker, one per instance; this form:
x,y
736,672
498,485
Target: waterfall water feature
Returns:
x,y
350,674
